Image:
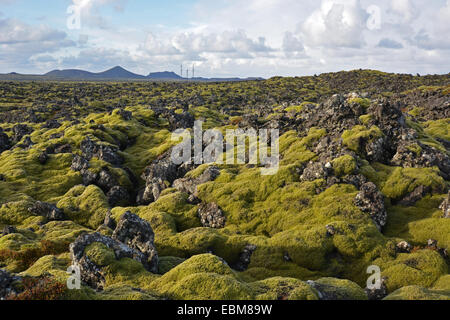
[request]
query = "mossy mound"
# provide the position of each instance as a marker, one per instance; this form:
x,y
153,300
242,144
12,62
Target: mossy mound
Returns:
x,y
422,268
418,293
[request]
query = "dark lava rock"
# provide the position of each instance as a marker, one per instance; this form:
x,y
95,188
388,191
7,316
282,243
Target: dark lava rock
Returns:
x,y
445,206
211,216
413,197
19,131
331,231
4,141
109,221
7,284
79,163
59,148
103,152
189,185
371,201
244,258
155,175
316,170
91,273
403,247
8,230
27,143
51,124
106,179
426,157
180,121
378,294
118,196
43,157
357,180
138,234
433,245
47,210
126,115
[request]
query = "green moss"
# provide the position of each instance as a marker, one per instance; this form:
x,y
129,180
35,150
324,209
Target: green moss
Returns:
x,y
417,293
55,266
422,268
420,222
344,165
415,148
352,138
209,286
341,289
416,111
85,205
125,292
438,128
100,254
168,263
365,103
279,288
202,277
401,181
365,119
13,213
443,283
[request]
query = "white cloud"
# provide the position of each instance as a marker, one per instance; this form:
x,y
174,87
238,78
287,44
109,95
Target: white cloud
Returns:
x,y
338,23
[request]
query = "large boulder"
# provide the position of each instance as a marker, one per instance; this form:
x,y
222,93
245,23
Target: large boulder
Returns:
x,y
91,273
138,234
106,153
160,174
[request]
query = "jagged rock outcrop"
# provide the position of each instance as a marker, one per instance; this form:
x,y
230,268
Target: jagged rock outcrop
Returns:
x,y
160,174
106,153
189,185
91,273
138,234
417,155
211,216
371,201
47,210
118,195
79,163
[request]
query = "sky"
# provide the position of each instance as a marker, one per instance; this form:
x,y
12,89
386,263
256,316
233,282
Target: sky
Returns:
x,y
224,38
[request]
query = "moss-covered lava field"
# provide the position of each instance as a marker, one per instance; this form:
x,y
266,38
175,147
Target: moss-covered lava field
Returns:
x,y
85,180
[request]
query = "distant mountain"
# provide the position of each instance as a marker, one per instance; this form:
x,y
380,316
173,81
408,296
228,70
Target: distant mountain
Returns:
x,y
114,74
166,75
